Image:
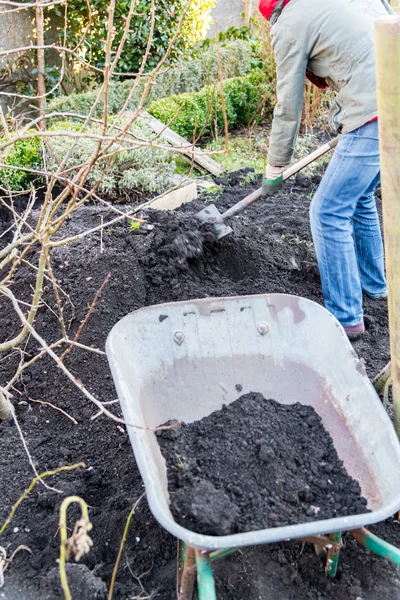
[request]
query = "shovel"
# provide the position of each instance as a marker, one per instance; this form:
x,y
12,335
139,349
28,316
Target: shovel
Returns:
x,y
211,214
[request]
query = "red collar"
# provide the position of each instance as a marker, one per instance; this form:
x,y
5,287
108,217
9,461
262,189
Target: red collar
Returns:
x,y
267,7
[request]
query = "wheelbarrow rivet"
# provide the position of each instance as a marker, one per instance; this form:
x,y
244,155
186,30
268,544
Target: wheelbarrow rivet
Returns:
x,y
179,337
262,328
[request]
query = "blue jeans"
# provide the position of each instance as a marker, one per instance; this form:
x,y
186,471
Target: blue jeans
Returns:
x,y
345,226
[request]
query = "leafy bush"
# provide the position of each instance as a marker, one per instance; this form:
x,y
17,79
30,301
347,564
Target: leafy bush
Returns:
x,y
24,153
247,99
144,169
188,76
167,16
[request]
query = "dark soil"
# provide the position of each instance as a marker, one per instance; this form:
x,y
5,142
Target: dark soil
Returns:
x,y
256,464
270,251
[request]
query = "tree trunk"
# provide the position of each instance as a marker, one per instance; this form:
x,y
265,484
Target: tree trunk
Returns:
x,y
247,12
41,83
5,408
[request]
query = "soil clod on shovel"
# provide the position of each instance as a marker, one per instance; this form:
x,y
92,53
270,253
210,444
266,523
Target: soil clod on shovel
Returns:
x,y
256,464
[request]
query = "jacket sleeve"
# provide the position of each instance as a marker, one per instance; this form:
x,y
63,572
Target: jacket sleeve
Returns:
x,y
291,64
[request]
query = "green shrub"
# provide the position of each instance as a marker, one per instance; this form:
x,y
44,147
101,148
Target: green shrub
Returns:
x,y
132,171
246,99
144,169
188,76
24,153
237,34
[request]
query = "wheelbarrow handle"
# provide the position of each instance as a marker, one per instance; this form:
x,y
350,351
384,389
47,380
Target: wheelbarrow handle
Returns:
x,y
377,545
256,195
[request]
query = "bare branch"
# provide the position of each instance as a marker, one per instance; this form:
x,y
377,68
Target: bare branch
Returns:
x,y
85,320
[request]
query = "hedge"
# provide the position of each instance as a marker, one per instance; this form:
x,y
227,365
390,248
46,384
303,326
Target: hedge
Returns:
x,y
188,76
247,99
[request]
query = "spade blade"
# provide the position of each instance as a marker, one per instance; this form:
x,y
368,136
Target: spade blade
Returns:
x,y
212,216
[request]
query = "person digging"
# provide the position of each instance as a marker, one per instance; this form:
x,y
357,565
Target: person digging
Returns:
x,y
332,43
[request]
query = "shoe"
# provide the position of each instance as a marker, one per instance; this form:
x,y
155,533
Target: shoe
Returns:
x,y
355,332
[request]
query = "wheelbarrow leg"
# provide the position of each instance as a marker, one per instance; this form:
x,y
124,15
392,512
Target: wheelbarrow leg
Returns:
x,y
205,577
332,560
186,572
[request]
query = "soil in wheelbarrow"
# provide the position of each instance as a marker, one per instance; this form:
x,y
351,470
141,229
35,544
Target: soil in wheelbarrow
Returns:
x,y
270,251
256,464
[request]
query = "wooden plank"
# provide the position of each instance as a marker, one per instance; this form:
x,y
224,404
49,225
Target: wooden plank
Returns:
x,y
176,198
177,141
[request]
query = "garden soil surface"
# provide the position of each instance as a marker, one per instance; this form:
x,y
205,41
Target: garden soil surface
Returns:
x,y
270,251
256,464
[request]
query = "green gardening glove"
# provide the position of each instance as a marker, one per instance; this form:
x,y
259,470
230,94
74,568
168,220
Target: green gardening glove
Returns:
x,y
272,180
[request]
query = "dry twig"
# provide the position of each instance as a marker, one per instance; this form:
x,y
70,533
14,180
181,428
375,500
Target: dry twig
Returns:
x,y
30,460
121,547
85,320
55,408
5,562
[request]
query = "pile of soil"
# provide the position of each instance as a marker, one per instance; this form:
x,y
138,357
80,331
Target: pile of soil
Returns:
x,y
256,464
269,251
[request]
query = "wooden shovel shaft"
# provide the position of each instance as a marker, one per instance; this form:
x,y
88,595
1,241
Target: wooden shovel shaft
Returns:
x,y
242,204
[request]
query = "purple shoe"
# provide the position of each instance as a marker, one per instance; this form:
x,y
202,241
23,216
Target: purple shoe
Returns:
x,y
355,332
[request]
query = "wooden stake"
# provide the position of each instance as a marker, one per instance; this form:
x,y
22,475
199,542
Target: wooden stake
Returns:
x,y
388,87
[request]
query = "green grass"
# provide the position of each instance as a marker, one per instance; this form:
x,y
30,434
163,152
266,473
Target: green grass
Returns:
x,y
183,166
244,150
213,194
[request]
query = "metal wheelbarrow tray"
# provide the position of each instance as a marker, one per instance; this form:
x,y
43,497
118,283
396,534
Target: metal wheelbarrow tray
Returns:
x,y
183,360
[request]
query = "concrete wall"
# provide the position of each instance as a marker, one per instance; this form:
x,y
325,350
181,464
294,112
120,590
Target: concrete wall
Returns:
x,y
227,13
16,29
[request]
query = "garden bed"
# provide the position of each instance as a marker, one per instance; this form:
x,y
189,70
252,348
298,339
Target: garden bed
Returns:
x,y
270,251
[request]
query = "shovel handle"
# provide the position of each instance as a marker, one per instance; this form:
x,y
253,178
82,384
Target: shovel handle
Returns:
x,y
242,204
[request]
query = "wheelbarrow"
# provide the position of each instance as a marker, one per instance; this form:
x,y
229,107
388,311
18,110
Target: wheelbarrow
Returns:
x,y
185,360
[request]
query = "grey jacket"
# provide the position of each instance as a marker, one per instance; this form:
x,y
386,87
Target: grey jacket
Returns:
x,y
335,39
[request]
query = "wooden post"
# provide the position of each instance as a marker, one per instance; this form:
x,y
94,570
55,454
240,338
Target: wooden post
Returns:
x,y
388,86
395,5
